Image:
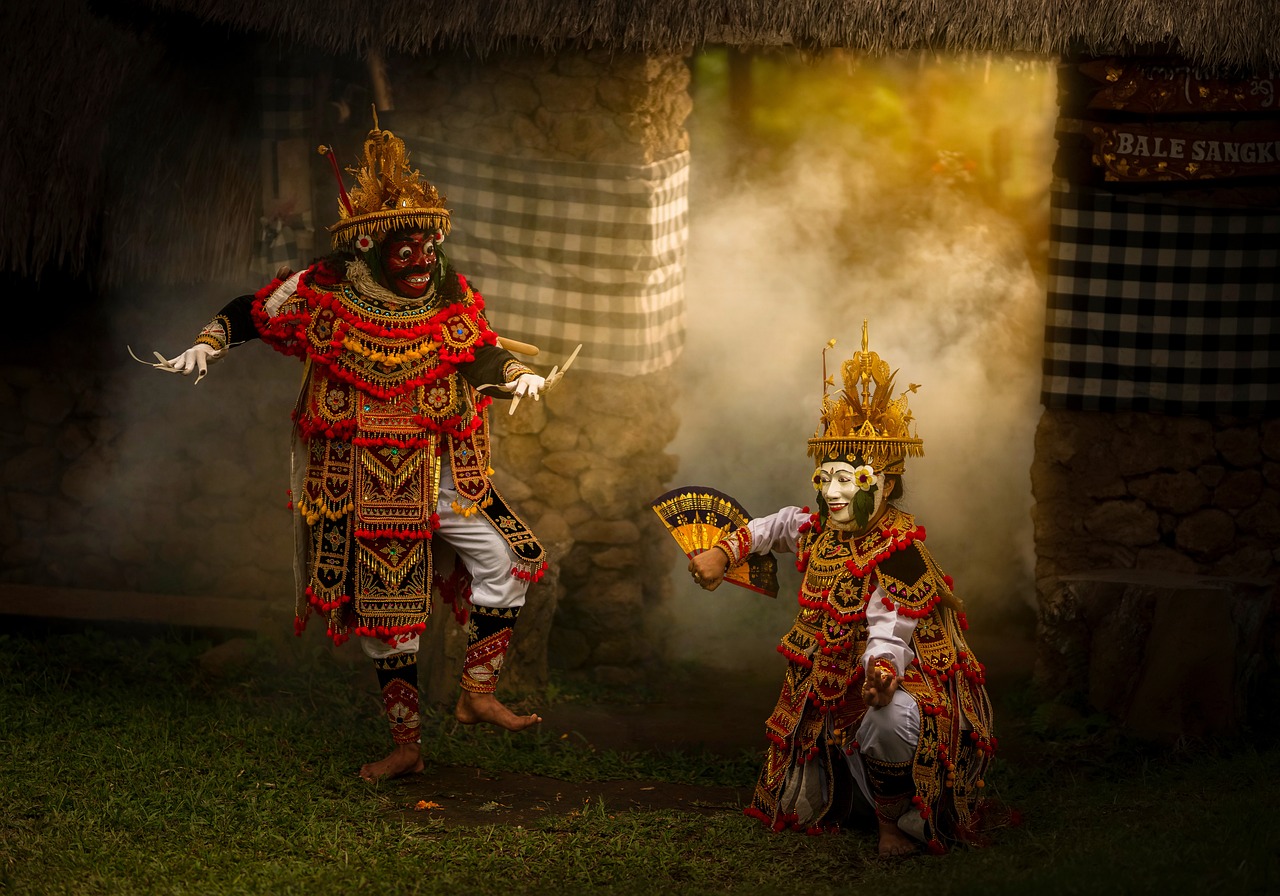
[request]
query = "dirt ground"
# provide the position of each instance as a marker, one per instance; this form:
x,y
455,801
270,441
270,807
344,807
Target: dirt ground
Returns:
x,y
719,712
468,797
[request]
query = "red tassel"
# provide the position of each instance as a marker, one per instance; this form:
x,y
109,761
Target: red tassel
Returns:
x,y
342,190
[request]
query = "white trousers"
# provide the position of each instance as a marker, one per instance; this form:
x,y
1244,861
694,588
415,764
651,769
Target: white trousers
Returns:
x,y
486,555
890,733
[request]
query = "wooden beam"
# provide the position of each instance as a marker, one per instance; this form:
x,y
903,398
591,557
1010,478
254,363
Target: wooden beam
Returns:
x,y
49,602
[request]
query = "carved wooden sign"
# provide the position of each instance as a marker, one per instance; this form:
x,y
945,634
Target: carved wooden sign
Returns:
x,y
1133,151
1138,120
1152,88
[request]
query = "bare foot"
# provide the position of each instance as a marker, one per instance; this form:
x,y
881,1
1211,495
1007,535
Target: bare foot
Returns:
x,y
405,759
893,842
474,708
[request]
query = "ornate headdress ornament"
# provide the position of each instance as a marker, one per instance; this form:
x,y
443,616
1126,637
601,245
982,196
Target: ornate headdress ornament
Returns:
x,y
864,423
389,195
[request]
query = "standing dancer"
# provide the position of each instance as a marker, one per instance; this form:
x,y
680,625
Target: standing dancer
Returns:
x,y
391,442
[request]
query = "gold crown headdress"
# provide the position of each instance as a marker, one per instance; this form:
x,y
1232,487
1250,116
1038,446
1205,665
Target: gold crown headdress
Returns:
x,y
389,195
864,423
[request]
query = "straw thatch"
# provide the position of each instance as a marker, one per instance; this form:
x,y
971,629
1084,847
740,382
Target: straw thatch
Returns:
x,y
123,149
1209,32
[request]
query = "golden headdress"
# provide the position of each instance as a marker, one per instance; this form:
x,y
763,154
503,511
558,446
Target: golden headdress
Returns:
x,y
389,195
864,423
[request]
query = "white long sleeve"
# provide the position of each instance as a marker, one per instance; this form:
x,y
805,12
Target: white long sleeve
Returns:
x,y
778,531
888,634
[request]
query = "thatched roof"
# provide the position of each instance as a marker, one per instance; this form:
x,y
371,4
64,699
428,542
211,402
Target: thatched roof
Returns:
x,y
1210,32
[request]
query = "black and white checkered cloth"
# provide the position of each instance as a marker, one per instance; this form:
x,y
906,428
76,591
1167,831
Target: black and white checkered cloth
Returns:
x,y
283,240
1161,307
568,252
285,90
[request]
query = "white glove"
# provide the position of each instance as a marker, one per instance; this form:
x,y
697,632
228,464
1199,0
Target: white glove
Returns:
x,y
196,358
529,384
524,384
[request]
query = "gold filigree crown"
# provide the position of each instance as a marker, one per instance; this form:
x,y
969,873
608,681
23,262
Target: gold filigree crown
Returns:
x,y
389,194
864,423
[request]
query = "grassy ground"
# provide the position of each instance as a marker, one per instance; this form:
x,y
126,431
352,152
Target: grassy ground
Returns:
x,y
126,768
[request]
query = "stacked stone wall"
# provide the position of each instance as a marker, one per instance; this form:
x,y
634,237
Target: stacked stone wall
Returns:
x,y
1169,500
127,479
1147,491
586,107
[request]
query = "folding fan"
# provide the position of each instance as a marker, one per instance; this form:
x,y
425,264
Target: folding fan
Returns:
x,y
697,517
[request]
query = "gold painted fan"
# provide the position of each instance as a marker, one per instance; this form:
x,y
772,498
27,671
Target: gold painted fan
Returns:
x,y
697,517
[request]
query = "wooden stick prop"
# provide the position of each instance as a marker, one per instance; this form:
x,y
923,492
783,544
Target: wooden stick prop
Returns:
x,y
520,348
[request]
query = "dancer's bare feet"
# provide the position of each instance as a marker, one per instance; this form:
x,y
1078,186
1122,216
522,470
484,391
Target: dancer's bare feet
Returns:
x,y
405,759
474,708
893,842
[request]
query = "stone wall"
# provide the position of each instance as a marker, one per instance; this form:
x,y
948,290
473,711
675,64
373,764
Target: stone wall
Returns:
x,y
115,477
574,106
1146,491
1168,495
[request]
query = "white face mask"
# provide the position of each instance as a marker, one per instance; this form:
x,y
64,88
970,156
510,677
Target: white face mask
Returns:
x,y
839,483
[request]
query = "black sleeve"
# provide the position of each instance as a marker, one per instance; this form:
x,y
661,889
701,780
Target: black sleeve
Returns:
x,y
488,366
237,317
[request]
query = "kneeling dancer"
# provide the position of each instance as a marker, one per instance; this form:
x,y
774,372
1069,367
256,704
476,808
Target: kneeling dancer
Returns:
x,y
882,700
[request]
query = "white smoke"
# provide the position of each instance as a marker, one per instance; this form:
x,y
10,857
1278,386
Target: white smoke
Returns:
x,y
779,264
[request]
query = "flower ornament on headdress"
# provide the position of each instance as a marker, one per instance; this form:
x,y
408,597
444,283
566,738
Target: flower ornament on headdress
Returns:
x,y
863,425
388,195
864,502
865,477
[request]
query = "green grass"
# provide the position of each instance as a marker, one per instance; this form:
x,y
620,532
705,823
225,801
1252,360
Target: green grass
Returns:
x,y
126,769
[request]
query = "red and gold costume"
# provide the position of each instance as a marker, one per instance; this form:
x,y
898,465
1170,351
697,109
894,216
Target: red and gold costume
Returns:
x,y
385,400
392,455
812,730
870,599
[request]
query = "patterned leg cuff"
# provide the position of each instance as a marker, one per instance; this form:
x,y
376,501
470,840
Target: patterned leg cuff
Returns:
x,y
398,676
488,637
891,787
